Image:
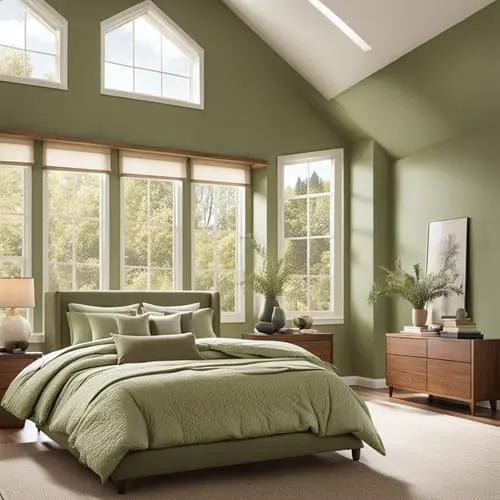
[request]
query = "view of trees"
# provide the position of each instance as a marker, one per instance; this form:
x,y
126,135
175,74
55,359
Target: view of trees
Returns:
x,y
149,234
308,198
217,241
74,230
11,220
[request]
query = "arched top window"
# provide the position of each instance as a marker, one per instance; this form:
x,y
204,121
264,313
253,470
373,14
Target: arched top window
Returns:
x,y
33,44
145,55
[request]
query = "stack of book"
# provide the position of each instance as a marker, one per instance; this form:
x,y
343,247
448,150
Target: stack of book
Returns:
x,y
460,328
423,331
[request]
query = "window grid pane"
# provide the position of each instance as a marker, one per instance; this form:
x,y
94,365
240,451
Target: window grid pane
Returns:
x,y
74,230
217,247
29,46
140,58
149,239
308,231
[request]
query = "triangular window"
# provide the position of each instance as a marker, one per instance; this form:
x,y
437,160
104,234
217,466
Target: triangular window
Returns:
x,y
147,56
33,44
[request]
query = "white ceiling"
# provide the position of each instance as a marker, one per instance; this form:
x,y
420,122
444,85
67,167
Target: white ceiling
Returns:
x,y
329,60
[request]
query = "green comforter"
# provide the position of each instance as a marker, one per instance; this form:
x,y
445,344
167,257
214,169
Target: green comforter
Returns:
x,y
242,389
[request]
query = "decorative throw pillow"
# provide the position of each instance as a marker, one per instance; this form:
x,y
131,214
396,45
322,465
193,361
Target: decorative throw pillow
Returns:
x,y
79,326
164,309
186,320
86,308
133,325
133,349
102,325
203,323
160,324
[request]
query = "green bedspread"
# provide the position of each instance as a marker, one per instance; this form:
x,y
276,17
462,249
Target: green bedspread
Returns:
x,y
243,389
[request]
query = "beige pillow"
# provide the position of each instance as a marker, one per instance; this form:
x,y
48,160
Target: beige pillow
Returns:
x,y
138,349
170,309
165,325
133,325
86,308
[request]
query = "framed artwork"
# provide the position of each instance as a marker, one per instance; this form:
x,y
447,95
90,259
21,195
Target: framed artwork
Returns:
x,y
442,235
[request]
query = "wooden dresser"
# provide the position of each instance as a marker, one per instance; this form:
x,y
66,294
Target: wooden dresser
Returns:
x,y
460,369
10,366
320,344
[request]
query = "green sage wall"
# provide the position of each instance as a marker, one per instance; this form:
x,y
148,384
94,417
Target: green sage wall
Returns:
x,y
255,105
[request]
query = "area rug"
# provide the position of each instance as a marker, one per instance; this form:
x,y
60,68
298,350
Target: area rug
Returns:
x,y
430,456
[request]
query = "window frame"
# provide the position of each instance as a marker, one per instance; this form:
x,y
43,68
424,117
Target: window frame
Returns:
x,y
49,16
104,206
26,260
336,313
181,38
239,315
176,231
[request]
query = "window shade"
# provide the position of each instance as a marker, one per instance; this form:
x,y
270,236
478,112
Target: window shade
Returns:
x,y
16,151
220,172
139,164
76,157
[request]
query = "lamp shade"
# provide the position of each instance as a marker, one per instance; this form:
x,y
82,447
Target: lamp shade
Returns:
x,y
17,292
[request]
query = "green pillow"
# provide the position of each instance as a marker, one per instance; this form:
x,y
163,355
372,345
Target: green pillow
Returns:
x,y
134,349
186,320
79,326
165,325
86,308
203,323
133,325
102,325
170,309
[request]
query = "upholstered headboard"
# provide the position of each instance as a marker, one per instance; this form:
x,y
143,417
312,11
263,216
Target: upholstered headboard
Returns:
x,y
56,326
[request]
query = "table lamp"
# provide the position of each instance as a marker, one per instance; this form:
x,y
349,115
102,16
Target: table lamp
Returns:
x,y
14,328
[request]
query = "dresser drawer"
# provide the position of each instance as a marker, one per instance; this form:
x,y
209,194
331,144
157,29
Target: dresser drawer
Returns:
x,y
407,347
449,378
321,348
406,372
449,349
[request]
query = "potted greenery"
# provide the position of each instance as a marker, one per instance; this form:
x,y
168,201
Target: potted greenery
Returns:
x,y
419,288
269,280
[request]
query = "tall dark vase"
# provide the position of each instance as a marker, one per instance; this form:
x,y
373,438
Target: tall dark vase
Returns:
x,y
267,308
278,319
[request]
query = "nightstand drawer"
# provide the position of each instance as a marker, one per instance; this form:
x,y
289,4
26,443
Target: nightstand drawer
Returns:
x,y
449,378
407,347
407,372
321,348
449,349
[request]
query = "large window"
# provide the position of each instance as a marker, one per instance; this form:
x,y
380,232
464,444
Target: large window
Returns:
x,y
311,232
76,210
146,56
151,256
218,257
33,39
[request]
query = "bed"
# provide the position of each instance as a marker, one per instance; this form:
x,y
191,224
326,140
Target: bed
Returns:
x,y
333,418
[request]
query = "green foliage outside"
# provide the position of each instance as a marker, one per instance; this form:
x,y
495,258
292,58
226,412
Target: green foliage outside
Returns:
x,y
419,288
14,63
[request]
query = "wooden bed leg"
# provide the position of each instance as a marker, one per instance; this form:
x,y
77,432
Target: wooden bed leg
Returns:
x,y
121,486
356,454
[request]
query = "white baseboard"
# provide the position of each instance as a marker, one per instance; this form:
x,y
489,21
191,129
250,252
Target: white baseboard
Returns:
x,y
486,404
370,383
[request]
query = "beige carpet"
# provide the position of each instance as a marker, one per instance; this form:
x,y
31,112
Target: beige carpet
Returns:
x,y
430,456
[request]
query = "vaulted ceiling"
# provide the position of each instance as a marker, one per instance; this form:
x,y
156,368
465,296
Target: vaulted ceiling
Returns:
x,y
442,87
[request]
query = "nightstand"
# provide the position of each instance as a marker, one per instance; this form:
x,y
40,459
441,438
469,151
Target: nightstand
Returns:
x,y
10,366
320,344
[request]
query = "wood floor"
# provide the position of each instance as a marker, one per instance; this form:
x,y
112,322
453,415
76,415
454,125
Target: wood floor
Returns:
x,y
29,434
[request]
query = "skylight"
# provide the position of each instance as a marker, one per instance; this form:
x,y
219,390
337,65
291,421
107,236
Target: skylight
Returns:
x,y
341,25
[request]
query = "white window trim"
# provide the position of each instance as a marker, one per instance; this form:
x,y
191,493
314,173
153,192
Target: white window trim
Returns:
x,y
335,316
176,229
47,14
181,38
239,315
104,223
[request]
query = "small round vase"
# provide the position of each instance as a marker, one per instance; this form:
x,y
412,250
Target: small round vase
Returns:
x,y
267,308
278,318
419,317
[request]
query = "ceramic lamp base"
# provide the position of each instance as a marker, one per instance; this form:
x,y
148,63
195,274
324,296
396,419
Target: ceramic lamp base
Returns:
x,y
14,328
